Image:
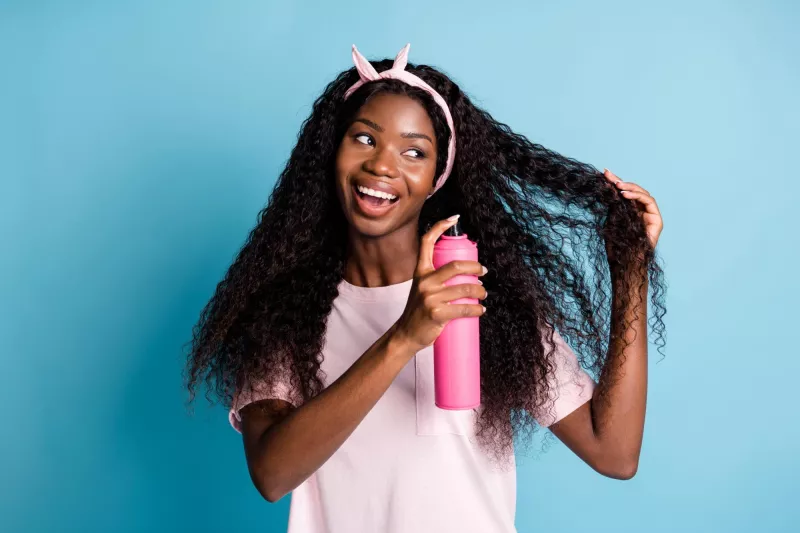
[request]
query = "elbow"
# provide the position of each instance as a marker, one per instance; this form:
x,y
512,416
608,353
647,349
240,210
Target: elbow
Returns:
x,y
268,487
270,491
273,496
626,471
622,468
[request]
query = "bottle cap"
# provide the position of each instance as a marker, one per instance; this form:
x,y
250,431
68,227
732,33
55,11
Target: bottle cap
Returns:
x,y
454,230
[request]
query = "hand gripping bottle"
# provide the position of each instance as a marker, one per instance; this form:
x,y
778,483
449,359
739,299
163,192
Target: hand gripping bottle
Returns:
x,y
456,351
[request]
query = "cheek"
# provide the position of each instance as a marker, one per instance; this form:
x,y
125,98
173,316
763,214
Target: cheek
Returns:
x,y
347,164
346,160
341,171
421,178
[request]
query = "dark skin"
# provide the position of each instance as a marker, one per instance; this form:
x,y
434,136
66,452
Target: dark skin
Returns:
x,y
285,445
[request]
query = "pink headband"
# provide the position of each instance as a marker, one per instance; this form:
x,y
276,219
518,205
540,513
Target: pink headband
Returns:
x,y
368,73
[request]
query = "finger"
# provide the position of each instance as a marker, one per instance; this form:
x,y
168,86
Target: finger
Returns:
x,y
461,290
425,261
623,185
460,267
613,178
628,186
446,312
645,199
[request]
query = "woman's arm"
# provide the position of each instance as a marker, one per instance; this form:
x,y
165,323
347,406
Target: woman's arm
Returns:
x,y
285,445
608,435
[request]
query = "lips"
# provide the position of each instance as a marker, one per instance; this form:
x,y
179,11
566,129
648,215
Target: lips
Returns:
x,y
376,185
371,210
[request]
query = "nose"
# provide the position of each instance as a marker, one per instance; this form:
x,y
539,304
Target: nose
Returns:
x,y
382,163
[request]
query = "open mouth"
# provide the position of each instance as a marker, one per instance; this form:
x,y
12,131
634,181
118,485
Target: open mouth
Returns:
x,y
372,201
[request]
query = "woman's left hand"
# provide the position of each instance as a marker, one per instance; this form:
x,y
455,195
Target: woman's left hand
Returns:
x,y
646,204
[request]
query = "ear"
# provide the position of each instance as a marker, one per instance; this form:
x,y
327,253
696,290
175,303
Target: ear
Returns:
x,y
433,184
429,195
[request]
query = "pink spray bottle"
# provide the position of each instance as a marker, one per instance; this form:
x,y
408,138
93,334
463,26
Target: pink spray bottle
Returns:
x,y
456,351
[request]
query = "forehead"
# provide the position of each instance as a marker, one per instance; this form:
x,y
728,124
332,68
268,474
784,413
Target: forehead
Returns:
x,y
397,112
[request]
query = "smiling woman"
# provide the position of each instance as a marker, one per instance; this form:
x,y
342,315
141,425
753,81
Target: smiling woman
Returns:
x,y
384,154
319,338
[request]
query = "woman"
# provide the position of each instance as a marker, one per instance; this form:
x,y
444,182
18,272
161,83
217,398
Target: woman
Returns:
x,y
320,336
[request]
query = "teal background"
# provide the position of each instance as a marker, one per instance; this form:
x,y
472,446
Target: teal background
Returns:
x,y
138,140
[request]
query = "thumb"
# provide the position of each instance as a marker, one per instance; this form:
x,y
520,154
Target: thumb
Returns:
x,y
425,262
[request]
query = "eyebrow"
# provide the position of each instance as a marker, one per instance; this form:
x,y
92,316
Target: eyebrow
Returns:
x,y
408,135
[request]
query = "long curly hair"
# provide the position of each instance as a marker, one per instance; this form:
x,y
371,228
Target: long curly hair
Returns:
x,y
552,231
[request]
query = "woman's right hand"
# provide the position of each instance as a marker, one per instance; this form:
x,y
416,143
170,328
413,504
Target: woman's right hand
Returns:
x,y
427,310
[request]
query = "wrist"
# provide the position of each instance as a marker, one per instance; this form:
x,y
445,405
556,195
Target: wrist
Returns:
x,y
398,344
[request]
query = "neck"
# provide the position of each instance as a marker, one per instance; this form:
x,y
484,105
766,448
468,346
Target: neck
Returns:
x,y
385,260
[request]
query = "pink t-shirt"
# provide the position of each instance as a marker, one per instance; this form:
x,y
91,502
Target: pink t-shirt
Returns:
x,y
409,466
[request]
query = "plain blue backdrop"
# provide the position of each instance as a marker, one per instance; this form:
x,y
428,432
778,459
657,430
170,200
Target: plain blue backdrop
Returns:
x,y
138,141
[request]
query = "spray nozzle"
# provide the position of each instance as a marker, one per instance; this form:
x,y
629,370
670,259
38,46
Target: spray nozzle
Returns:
x,y
454,230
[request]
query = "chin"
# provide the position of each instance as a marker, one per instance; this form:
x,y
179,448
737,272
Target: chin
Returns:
x,y
370,227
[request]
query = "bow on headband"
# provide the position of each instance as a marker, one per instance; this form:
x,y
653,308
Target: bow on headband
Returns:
x,y
368,73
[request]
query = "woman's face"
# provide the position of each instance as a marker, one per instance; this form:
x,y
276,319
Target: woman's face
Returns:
x,y
390,147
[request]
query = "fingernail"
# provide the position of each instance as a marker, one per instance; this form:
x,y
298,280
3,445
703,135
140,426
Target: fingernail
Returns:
x,y
480,282
453,218
484,308
485,270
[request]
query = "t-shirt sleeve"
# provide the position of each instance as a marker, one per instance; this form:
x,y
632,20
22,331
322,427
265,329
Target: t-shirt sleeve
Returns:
x,y
280,391
570,387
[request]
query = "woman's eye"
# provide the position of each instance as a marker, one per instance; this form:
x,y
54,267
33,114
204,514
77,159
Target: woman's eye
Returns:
x,y
369,142
363,135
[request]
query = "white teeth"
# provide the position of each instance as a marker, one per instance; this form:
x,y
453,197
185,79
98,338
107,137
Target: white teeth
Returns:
x,y
378,194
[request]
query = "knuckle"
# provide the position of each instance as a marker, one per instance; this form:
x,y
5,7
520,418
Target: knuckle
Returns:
x,y
424,285
428,302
